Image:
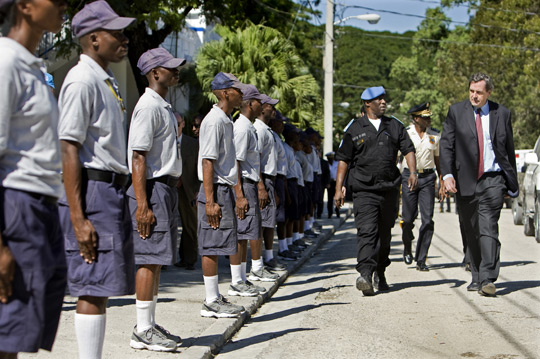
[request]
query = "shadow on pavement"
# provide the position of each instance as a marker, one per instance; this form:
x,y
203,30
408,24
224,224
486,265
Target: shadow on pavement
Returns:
x,y
399,286
509,287
242,343
291,311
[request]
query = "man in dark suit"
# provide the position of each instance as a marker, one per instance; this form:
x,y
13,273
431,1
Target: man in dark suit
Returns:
x,y
481,170
187,193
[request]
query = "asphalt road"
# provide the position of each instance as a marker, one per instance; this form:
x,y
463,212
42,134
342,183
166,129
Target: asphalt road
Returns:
x,y
318,313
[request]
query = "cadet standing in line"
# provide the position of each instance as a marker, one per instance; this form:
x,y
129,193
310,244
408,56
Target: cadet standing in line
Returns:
x,y
94,214
32,258
155,163
216,215
426,144
369,147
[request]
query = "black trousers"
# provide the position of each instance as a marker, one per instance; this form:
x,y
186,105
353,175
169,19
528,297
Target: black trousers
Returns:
x,y
188,251
479,215
374,216
331,191
423,197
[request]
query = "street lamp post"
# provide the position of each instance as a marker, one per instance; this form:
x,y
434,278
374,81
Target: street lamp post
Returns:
x,y
328,66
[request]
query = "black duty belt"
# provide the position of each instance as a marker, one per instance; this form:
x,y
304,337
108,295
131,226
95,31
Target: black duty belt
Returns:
x,y
265,176
249,180
50,200
426,171
105,176
168,180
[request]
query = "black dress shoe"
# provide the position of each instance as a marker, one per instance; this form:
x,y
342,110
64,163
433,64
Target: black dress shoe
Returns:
x,y
407,257
473,287
364,284
421,266
379,282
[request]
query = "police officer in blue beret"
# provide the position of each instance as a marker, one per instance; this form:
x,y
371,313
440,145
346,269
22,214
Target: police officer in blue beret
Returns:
x,y
369,149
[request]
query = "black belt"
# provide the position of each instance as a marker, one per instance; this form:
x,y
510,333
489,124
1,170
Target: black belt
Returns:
x,y
249,180
168,180
50,200
281,176
105,176
426,171
491,174
265,176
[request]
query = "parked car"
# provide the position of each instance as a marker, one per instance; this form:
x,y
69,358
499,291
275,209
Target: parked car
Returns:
x,y
530,194
516,204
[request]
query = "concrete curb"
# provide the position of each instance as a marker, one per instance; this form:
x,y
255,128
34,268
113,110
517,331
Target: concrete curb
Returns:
x,y
213,338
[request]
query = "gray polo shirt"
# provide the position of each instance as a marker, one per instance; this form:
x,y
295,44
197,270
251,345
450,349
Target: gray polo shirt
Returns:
x,y
247,148
154,130
216,143
91,113
267,147
29,148
281,156
291,161
307,168
315,160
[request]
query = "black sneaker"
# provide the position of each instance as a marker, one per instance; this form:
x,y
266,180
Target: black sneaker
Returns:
x,y
274,264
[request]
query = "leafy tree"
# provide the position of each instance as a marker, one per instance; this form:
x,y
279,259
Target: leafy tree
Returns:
x,y
262,56
156,19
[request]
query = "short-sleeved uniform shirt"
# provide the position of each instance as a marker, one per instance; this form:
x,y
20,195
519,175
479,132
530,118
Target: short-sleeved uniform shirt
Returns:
x,y
315,160
29,148
216,143
247,148
307,168
154,130
268,149
291,161
281,156
426,147
89,115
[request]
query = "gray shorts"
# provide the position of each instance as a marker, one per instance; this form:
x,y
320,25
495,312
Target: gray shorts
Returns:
x,y
30,227
268,213
280,191
250,226
160,246
223,240
113,271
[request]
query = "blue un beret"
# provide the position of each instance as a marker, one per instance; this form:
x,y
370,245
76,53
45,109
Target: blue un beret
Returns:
x,y
372,92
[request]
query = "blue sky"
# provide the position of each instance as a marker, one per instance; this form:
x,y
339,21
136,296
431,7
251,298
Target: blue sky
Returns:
x,y
389,21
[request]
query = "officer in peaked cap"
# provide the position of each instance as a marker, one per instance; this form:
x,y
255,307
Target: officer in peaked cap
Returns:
x,y
426,143
369,148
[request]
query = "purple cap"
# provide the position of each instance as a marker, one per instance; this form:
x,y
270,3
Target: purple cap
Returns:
x,y
158,57
225,80
98,15
280,117
269,100
251,93
6,3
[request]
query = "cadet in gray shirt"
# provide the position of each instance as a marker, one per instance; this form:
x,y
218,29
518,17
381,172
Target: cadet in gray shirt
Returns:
x,y
155,164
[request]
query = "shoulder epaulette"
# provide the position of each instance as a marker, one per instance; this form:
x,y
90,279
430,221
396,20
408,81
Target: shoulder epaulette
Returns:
x,y
348,125
397,119
435,130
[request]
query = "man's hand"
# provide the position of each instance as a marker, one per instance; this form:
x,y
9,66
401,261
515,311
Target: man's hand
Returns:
x,y
242,207
412,183
145,219
86,237
339,197
213,214
7,272
450,185
263,197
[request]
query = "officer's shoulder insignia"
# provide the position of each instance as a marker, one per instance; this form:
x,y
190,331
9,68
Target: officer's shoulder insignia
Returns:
x,y
408,128
397,119
432,140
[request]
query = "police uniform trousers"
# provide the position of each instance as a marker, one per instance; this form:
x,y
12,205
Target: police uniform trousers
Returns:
x,y
479,215
374,216
188,251
331,192
423,197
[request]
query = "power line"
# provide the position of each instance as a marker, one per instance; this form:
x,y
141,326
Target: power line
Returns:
x,y
452,21
477,7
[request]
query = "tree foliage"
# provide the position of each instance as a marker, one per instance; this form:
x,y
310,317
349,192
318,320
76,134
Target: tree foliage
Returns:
x,y
262,56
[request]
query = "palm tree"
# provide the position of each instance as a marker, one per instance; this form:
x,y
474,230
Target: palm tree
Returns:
x,y
262,56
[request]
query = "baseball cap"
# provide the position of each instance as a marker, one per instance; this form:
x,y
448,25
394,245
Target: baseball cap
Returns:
x,y
251,93
98,15
225,80
267,99
158,57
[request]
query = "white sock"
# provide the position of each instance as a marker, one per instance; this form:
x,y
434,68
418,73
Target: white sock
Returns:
x,y
153,312
311,221
268,254
144,314
283,245
211,288
90,332
295,236
244,269
300,235
306,226
236,273
289,240
256,264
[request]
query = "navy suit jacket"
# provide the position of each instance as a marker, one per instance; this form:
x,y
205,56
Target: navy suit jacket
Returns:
x,y
459,146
